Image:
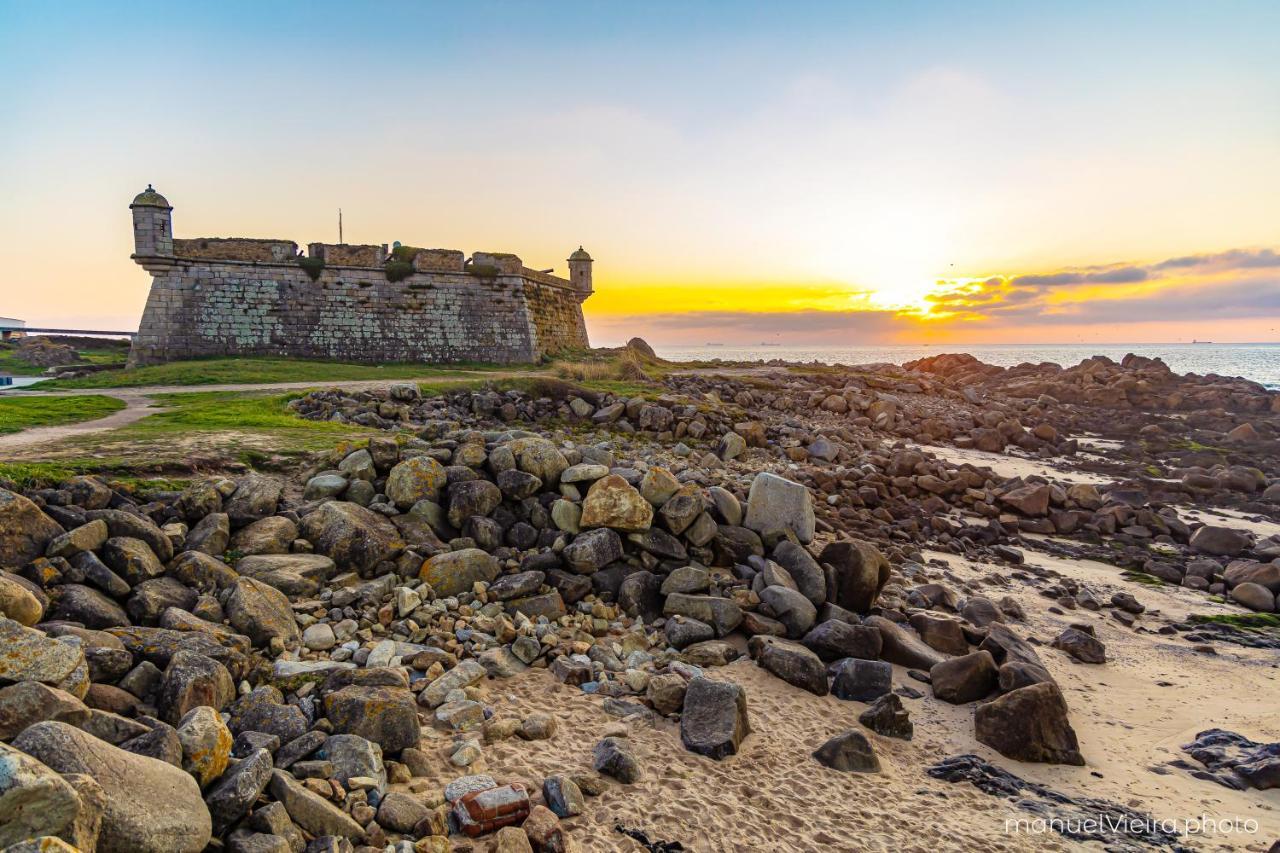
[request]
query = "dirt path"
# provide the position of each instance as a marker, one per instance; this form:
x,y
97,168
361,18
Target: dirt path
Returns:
x,y
136,407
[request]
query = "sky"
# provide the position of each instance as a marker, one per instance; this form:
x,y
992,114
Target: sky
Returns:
x,y
801,173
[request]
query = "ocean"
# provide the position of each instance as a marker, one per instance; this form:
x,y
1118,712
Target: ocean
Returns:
x,y
1258,362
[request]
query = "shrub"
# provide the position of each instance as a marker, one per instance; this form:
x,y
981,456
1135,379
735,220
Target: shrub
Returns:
x,y
483,270
398,270
405,253
312,266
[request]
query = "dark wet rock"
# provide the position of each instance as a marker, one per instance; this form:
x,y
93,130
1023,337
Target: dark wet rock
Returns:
x,y
858,573
964,679
861,680
593,550
614,757
191,680
836,639
1082,819
1081,645
888,717
791,662
848,752
238,789
714,720
790,608
903,647
1029,724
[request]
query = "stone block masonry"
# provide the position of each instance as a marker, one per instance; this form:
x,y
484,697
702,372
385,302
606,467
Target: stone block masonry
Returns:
x,y
244,297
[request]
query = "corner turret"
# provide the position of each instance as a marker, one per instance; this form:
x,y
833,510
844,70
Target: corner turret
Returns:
x,y
580,273
152,225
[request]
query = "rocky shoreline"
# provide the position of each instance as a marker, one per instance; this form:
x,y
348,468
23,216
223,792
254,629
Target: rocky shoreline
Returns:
x,y
325,660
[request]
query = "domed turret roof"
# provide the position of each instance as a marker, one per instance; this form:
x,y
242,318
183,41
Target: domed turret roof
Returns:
x,y
580,255
149,198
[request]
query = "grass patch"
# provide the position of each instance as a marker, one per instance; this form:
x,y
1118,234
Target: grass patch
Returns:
x,y
219,411
1247,621
118,474
1142,578
19,413
250,371
10,363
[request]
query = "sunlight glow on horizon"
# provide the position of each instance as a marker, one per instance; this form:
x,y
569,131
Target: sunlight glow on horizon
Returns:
x,y
733,169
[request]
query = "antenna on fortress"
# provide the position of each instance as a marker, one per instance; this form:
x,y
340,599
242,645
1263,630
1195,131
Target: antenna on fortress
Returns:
x,y
339,226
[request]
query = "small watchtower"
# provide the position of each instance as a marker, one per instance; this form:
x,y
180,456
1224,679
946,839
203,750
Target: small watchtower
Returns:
x,y
152,225
580,272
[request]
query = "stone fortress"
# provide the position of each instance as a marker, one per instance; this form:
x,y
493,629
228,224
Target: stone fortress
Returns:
x,y
238,296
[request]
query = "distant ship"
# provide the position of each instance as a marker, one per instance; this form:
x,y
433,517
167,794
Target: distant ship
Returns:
x,y
1201,342
767,344
711,344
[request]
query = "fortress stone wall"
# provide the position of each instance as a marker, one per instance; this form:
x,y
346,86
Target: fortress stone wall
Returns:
x,y
234,296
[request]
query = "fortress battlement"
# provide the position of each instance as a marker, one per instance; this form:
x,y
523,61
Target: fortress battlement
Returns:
x,y
222,296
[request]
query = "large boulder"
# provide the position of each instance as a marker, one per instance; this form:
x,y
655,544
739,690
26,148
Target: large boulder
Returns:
x,y
129,525
256,496
858,572
18,602
386,716
456,572
776,504
151,806
722,614
791,662
271,535
614,503
901,646
35,801
355,538
29,655
804,569
299,575
206,744
25,531
29,702
132,559
593,550
1031,499
1219,541
86,605
418,478
714,720
964,679
1029,724
848,752
539,457
836,639
861,680
472,497
190,681
790,608
262,613
238,789
310,811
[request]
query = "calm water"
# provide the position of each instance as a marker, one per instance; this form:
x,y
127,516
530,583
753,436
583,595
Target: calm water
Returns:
x,y
1259,362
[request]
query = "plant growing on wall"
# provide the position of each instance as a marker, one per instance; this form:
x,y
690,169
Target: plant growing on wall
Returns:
x,y
483,270
312,266
398,270
405,253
